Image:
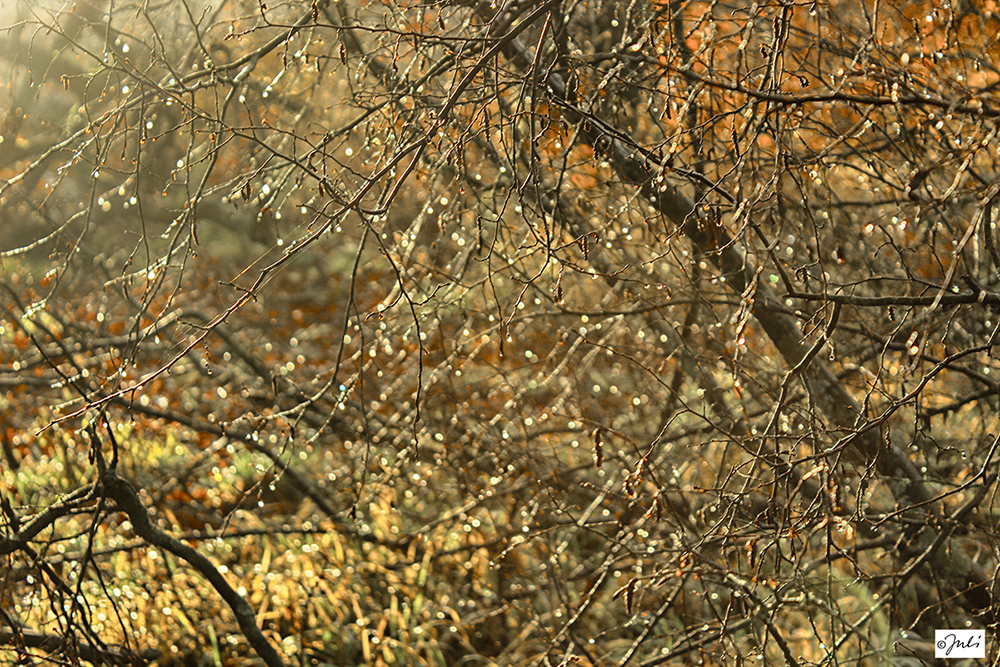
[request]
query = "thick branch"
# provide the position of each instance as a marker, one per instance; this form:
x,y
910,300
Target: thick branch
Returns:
x,y
860,442
128,501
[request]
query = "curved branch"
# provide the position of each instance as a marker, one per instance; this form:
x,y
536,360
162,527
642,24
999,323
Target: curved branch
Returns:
x,y
127,500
